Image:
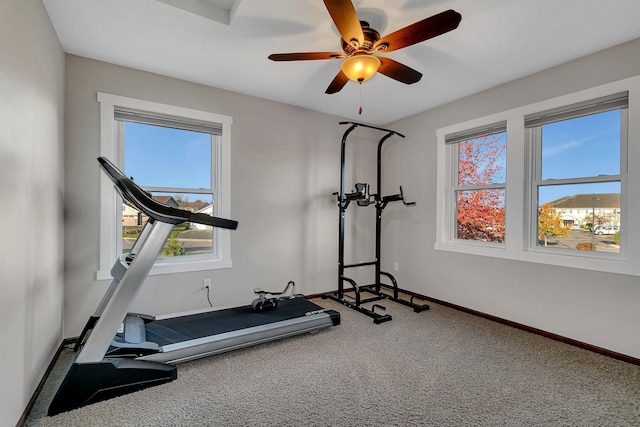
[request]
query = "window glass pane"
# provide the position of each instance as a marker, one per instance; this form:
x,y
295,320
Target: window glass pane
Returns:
x,y
482,161
579,217
582,147
481,215
165,157
186,238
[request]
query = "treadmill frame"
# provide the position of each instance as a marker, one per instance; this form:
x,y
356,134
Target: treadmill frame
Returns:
x,y
94,376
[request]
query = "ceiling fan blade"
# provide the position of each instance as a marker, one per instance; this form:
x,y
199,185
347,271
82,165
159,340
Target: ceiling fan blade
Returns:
x,y
346,19
398,71
338,83
305,56
420,31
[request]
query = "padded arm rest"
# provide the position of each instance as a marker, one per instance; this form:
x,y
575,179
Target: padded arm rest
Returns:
x,y
213,221
393,198
158,211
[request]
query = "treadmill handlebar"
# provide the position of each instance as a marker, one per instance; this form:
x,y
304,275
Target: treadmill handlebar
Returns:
x,y
156,210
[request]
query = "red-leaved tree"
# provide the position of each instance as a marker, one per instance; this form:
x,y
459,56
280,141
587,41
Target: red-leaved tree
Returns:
x,y
481,211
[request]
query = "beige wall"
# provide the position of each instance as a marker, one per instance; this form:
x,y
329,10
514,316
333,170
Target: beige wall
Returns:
x,y
597,308
31,175
285,163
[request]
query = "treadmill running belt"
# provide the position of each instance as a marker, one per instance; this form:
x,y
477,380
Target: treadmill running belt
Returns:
x,y
211,323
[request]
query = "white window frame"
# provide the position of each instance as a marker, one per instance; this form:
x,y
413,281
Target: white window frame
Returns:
x,y
453,140
520,211
534,138
111,202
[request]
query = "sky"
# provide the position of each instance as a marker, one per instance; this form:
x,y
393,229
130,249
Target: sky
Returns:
x,y
164,157
583,147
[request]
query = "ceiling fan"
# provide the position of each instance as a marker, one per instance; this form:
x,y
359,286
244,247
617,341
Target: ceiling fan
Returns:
x,y
360,42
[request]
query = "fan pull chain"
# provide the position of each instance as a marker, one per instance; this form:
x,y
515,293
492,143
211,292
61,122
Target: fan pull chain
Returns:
x,y
360,109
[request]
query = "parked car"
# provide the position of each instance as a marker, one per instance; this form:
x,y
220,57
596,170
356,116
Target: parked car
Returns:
x,y
607,229
575,227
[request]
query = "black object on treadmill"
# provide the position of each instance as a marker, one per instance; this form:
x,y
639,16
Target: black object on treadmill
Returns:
x,y
264,304
158,211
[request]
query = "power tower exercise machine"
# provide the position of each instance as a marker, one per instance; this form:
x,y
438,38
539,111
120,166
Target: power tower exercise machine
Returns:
x,y
119,352
362,197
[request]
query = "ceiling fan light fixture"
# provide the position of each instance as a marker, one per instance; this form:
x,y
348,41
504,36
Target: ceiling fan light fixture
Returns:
x,y
360,68
359,42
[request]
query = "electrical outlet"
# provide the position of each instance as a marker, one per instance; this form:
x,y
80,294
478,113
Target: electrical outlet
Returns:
x,y
396,267
206,284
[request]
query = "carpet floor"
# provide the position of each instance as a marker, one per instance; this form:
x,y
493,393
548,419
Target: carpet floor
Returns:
x,y
441,367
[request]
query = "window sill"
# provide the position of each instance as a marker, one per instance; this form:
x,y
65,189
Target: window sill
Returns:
x,y
172,267
600,262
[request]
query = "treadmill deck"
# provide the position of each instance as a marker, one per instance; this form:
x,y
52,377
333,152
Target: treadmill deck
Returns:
x,y
184,338
185,328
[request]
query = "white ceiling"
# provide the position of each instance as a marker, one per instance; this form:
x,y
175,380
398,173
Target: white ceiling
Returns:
x,y
496,42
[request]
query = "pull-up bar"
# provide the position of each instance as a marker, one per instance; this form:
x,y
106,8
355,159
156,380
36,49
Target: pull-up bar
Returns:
x,y
363,198
355,125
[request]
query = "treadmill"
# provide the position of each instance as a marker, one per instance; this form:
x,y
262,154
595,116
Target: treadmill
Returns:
x,y
120,352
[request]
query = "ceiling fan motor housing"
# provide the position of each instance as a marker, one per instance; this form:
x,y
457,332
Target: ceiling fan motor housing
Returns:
x,y
371,37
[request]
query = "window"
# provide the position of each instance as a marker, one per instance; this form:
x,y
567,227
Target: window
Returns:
x,y
561,189
480,182
579,162
180,156
173,161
